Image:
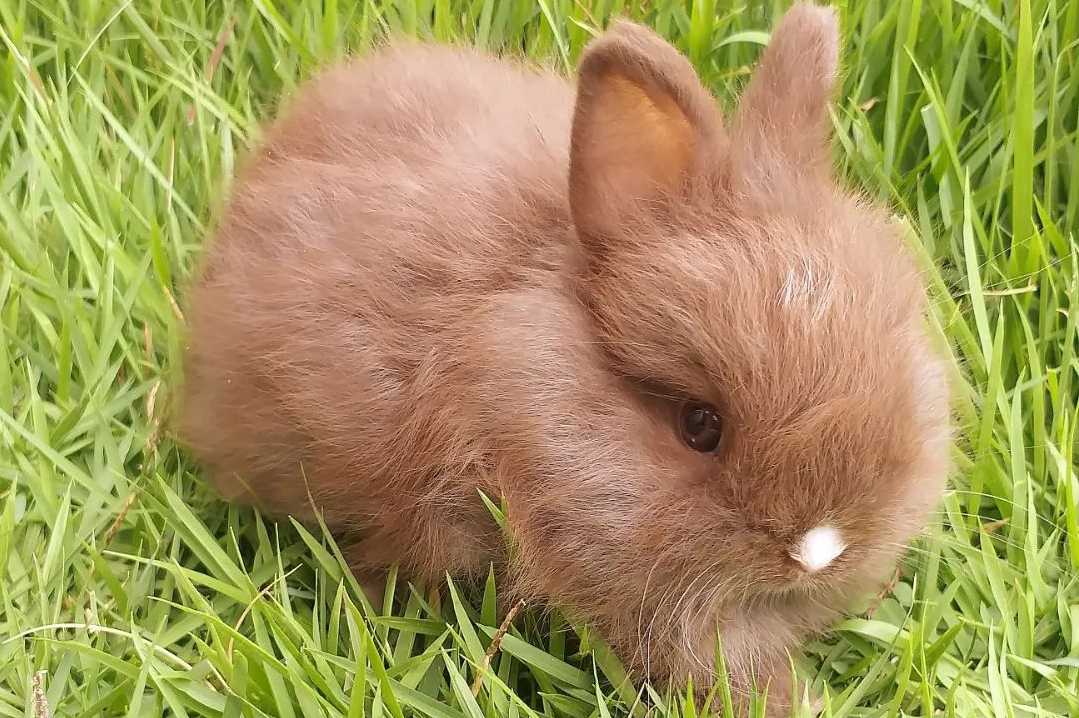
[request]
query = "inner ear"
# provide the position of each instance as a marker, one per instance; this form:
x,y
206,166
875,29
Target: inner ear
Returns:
x,y
640,129
647,145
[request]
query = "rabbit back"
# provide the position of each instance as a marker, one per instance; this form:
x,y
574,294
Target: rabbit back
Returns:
x,y
392,201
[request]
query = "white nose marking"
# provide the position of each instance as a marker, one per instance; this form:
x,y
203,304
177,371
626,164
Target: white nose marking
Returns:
x,y
819,547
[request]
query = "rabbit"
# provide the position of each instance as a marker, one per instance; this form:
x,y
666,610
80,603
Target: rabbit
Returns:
x,y
692,363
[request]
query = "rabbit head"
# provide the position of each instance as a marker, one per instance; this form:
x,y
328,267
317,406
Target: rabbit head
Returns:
x,y
773,317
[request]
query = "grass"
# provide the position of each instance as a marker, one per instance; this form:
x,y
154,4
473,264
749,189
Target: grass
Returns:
x,y
126,590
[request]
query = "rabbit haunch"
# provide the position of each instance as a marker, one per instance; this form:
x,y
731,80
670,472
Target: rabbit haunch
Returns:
x,y
692,363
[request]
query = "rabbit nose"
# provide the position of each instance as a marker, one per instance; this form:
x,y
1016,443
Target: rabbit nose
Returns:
x,y
818,548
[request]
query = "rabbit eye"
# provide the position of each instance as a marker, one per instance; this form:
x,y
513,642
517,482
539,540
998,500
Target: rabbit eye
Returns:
x,y
700,426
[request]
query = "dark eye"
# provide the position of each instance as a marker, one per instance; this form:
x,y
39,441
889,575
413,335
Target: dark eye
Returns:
x,y
700,426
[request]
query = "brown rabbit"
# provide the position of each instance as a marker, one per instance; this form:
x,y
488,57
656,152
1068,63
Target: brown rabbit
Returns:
x,y
694,366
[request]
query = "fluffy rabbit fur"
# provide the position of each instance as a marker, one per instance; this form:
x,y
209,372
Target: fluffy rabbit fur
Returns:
x,y
444,272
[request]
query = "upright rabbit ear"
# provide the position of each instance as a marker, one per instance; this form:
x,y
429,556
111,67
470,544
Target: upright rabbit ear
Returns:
x,y
782,126
643,125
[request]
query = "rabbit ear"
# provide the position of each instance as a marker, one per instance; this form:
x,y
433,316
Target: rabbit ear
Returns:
x,y
643,124
783,126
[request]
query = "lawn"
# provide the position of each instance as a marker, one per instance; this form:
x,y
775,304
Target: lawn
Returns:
x,y
127,590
